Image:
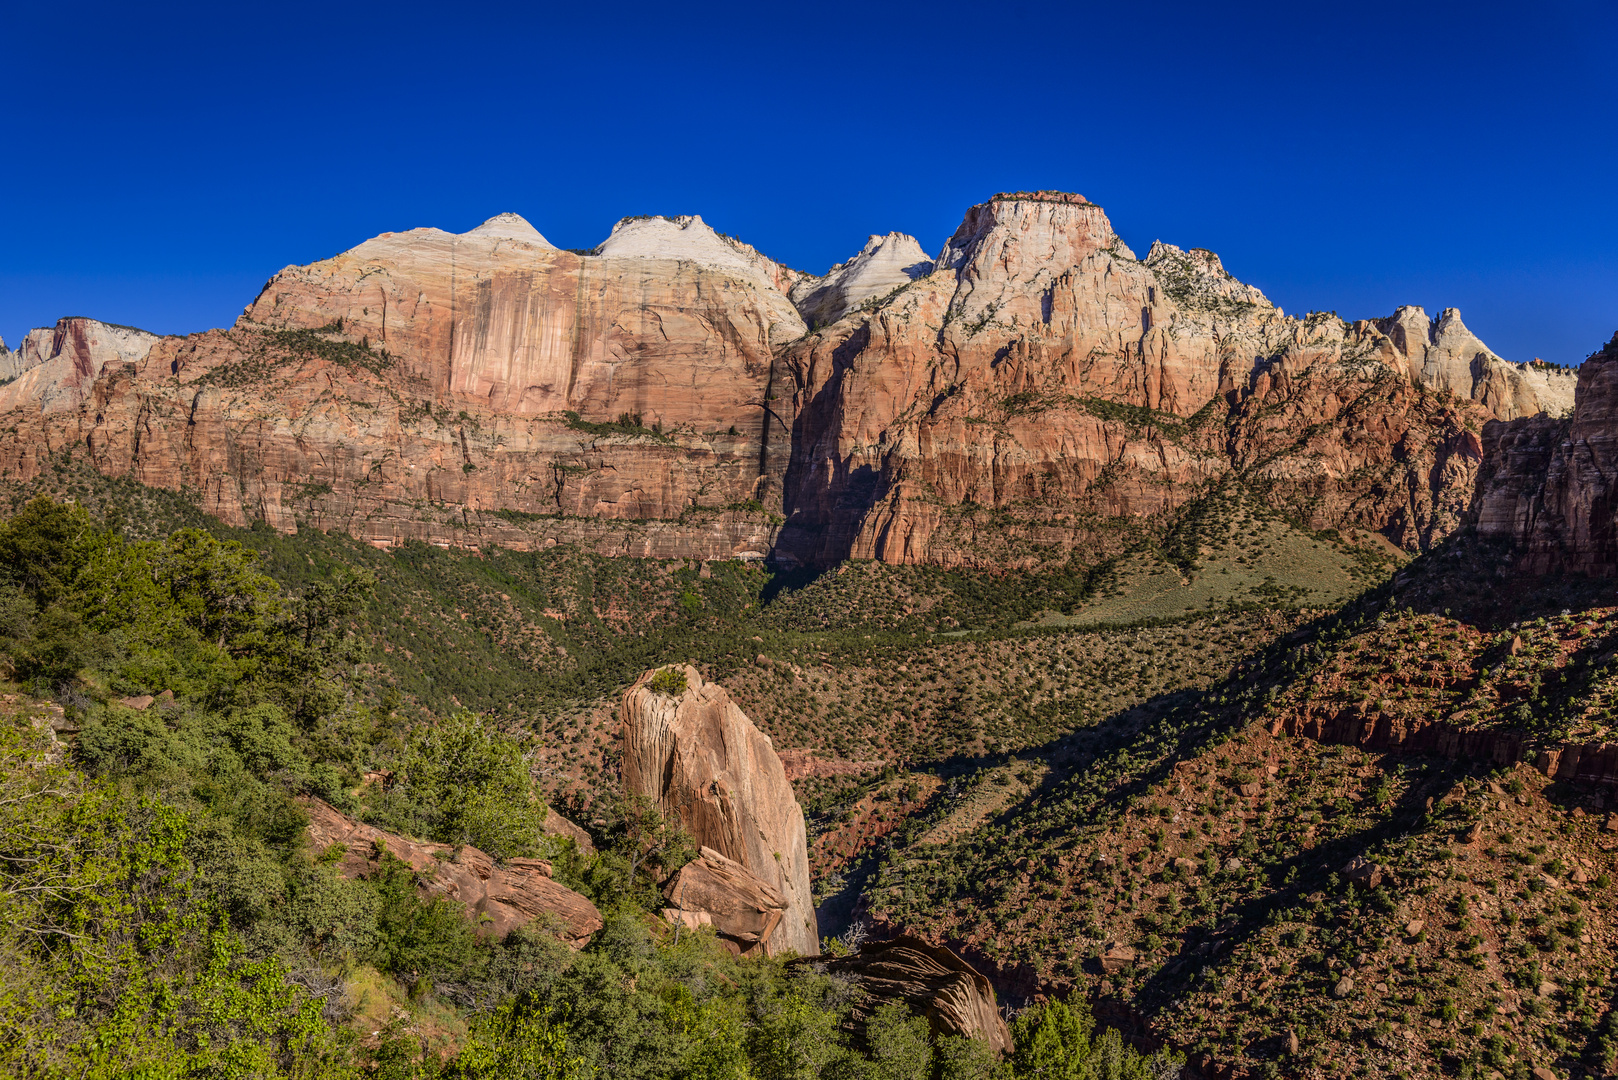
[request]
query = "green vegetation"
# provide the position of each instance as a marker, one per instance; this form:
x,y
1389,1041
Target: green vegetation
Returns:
x,y
171,917
670,681
627,424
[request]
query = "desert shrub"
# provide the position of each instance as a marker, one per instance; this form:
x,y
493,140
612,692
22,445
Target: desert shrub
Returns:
x,y
669,680
463,781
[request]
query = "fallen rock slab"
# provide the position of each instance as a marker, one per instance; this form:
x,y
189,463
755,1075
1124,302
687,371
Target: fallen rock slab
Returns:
x,y
501,897
712,890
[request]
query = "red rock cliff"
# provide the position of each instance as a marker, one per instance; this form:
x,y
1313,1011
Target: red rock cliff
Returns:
x,y
1550,486
662,396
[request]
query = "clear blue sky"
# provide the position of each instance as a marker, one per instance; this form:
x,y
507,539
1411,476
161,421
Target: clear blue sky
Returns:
x,y
161,164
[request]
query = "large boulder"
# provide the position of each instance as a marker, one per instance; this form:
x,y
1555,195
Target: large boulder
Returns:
x,y
955,997
501,896
701,760
712,890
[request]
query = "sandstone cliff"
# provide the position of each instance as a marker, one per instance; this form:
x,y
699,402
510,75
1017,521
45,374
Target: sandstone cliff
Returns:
x,y
1011,401
701,760
1550,486
1043,380
462,389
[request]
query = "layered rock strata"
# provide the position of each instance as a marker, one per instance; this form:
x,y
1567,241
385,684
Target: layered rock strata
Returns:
x,y
955,997
663,396
1043,381
712,890
500,897
1550,486
701,760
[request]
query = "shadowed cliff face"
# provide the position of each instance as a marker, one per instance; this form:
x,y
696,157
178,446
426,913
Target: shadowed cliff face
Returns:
x,y
1548,485
1033,390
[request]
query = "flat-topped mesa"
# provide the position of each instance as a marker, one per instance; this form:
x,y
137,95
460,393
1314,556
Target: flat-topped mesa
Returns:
x,y
1014,239
1548,485
701,760
885,263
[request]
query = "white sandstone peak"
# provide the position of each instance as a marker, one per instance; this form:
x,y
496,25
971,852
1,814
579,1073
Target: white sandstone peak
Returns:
x,y
886,262
687,238
509,226
684,236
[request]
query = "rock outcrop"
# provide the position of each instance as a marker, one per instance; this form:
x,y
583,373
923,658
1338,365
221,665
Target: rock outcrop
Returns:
x,y
885,263
1550,486
701,760
501,897
663,396
54,368
955,997
712,890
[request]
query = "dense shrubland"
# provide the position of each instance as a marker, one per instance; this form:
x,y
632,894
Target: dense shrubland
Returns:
x,y
165,915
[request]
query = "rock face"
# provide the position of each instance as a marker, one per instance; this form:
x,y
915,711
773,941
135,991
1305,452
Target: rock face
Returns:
x,y
955,998
501,897
705,765
1043,376
466,389
1550,486
53,369
712,890
663,396
885,263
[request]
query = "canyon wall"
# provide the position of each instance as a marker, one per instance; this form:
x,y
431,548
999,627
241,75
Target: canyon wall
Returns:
x,y
663,395
1550,486
1043,383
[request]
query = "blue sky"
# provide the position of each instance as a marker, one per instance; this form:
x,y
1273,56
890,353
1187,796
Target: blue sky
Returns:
x,y
163,163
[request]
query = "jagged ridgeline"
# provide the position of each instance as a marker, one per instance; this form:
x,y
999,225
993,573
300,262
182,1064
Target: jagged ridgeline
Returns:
x,y
676,393
1150,668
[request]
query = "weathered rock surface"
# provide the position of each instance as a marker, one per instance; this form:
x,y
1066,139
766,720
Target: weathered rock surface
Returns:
x,y
501,897
663,396
884,264
955,997
1042,376
705,765
1550,486
54,368
712,890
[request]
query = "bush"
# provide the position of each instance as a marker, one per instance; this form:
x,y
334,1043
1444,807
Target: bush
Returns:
x,y
466,783
669,680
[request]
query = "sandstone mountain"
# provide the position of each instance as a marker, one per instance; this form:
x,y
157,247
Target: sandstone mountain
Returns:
x,y
885,263
663,396
701,760
54,368
1042,380
1548,484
